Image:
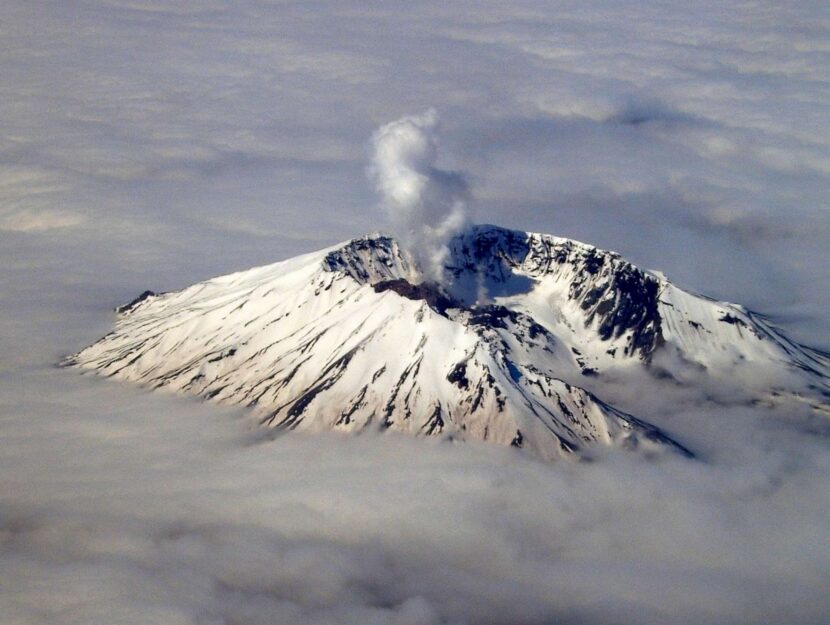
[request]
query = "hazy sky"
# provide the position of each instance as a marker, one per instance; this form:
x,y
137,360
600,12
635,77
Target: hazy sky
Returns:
x,y
150,144
169,141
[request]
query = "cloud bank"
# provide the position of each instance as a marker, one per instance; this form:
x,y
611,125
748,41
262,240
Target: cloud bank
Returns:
x,y
644,129
427,205
126,506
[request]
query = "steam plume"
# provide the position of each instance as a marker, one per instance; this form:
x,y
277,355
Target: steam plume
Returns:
x,y
425,204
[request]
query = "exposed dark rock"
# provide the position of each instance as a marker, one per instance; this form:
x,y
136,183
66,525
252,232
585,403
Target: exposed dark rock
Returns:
x,y
128,307
427,292
732,320
367,259
518,440
492,316
458,375
223,355
435,424
346,415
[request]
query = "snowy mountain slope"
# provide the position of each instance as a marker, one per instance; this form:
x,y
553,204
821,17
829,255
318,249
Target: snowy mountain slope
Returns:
x,y
614,315
348,338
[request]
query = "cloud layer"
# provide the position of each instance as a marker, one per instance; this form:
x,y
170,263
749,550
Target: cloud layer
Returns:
x,y
128,506
152,144
687,138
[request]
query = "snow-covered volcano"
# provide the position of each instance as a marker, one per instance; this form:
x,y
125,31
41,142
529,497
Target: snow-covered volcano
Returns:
x,y
349,338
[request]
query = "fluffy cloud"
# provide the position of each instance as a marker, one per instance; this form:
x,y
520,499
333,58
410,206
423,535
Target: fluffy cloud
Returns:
x,y
124,505
426,204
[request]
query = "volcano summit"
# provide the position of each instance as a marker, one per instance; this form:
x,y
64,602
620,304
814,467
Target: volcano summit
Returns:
x,y
513,348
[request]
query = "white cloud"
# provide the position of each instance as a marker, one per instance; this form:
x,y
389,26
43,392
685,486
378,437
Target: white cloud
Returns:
x,y
427,205
120,502
24,220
